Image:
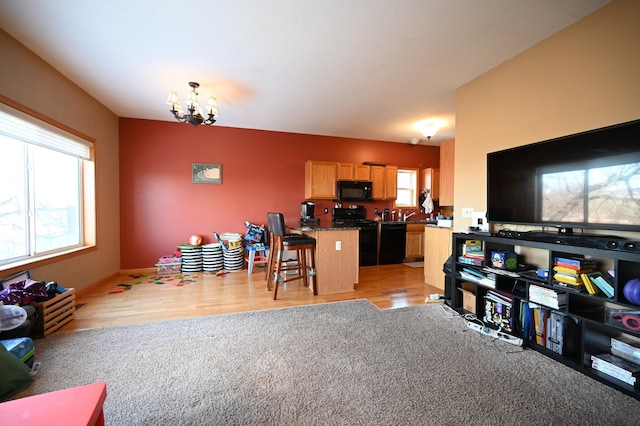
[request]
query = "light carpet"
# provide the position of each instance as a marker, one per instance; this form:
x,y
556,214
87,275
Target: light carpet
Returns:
x,y
415,264
343,363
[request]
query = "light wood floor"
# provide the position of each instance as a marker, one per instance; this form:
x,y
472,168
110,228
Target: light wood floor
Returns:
x,y
140,297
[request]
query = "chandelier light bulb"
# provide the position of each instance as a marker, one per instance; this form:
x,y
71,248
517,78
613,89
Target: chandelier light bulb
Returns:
x,y
194,113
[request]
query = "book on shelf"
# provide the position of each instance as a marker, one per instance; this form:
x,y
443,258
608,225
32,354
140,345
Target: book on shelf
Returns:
x,y
567,278
501,272
499,297
470,261
578,288
590,286
626,348
547,297
498,310
623,367
472,247
540,316
602,284
477,277
525,319
609,370
474,255
571,271
575,263
563,334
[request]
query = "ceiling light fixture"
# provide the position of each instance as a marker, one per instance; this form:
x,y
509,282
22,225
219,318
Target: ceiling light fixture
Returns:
x,y
194,113
429,129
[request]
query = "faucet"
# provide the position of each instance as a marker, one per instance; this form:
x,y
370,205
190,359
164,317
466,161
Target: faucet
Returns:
x,y
407,216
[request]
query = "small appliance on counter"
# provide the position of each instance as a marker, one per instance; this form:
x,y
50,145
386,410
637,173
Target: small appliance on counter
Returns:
x,y
307,211
384,215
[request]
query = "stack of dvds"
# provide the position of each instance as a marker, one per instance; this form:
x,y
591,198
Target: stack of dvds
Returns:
x,y
212,257
191,258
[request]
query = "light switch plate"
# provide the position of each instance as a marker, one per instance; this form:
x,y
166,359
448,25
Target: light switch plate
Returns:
x,y
338,245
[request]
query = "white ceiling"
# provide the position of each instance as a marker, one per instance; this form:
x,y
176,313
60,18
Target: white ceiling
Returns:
x,y
364,69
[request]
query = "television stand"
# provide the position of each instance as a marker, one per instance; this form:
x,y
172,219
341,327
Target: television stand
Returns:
x,y
587,318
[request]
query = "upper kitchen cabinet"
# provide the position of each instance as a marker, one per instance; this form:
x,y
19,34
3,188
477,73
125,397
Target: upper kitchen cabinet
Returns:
x,y
320,179
377,179
363,172
346,171
354,171
431,181
391,182
447,156
385,180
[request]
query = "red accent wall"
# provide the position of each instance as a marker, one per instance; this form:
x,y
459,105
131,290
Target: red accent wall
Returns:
x,y
262,171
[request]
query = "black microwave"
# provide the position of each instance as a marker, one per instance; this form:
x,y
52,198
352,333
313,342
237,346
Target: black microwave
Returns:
x,y
354,190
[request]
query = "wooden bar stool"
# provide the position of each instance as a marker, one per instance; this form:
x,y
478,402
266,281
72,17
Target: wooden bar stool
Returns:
x,y
279,242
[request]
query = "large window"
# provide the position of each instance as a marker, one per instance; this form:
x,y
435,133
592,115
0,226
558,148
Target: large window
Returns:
x,y
407,187
44,196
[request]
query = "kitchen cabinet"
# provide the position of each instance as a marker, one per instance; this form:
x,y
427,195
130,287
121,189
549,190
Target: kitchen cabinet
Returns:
x,y
391,183
431,180
346,171
437,249
414,246
337,251
354,171
447,159
377,179
363,172
320,179
385,182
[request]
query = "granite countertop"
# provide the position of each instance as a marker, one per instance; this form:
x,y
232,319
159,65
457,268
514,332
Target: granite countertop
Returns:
x,y
421,221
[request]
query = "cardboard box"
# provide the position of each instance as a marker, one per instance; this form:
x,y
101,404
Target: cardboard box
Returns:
x,y
468,291
55,313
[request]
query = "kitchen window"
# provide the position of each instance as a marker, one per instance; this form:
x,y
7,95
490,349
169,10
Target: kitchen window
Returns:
x,y
47,191
407,188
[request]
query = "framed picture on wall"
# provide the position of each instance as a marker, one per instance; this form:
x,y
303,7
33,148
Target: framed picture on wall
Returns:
x,y
206,173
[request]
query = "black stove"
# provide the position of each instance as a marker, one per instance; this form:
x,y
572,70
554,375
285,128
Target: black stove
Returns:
x,y
354,216
350,216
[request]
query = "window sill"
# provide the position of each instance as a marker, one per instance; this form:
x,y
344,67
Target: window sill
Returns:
x,y
14,267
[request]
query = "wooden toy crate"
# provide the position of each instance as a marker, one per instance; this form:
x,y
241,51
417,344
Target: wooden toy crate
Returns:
x,y
55,313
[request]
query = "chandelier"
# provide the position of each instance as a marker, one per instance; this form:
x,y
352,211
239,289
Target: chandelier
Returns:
x,y
194,113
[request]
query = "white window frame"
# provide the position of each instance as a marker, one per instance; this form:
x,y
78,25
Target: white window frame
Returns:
x,y
414,174
21,123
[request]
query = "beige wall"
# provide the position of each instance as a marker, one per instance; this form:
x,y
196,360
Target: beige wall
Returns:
x,y
584,77
30,81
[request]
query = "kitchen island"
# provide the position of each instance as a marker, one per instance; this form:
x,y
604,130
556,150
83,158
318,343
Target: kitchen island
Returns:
x,y
437,248
336,257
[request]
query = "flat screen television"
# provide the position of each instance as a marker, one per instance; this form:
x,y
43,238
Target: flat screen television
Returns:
x,y
587,180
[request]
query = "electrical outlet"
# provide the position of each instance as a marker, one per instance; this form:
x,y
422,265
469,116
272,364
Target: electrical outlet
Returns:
x,y
467,212
338,245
